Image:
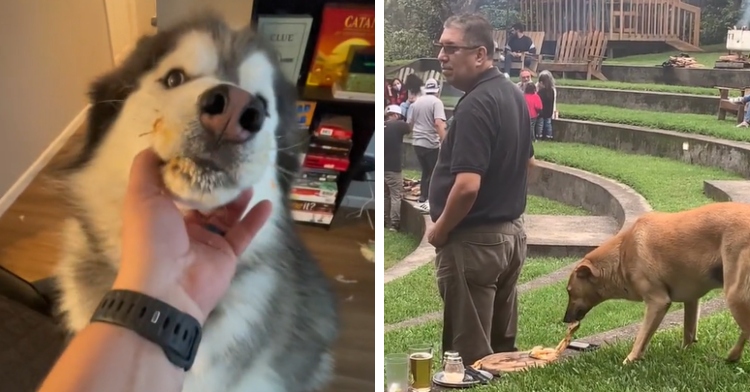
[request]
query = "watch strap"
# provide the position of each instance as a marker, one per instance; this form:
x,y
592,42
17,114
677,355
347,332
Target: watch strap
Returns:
x,y
176,332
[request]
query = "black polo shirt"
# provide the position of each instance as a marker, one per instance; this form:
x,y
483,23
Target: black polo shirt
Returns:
x,y
491,136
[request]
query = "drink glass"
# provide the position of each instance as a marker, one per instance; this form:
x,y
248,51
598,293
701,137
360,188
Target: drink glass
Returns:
x,y
420,367
397,372
453,371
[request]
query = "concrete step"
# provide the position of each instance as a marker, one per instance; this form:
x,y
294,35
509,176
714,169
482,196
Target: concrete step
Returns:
x,y
728,190
563,236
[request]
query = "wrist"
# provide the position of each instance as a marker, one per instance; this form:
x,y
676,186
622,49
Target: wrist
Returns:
x,y
171,294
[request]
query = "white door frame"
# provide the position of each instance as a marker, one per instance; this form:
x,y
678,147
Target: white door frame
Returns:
x,y
123,27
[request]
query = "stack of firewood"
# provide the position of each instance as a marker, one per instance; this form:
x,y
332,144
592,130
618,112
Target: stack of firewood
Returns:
x,y
411,187
733,58
682,61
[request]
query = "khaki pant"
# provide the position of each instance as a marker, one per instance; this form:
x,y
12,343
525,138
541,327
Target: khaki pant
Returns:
x,y
477,271
394,188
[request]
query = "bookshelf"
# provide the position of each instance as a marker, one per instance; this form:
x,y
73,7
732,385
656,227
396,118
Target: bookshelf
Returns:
x,y
362,112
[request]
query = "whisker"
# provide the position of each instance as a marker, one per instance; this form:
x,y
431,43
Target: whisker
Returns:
x,y
146,133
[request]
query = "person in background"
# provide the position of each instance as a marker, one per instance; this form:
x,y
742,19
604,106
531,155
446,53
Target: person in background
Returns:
x,y
534,104
413,86
478,195
393,138
426,117
744,101
525,76
548,94
517,43
397,94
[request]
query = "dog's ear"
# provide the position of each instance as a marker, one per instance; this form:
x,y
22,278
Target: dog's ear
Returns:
x,y
586,269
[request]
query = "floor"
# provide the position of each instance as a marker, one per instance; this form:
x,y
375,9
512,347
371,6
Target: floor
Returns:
x,y
29,246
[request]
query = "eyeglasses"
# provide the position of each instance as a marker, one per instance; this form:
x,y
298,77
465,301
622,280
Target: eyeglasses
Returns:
x,y
451,49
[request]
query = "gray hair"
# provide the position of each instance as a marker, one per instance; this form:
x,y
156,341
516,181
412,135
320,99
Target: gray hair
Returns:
x,y
545,77
476,28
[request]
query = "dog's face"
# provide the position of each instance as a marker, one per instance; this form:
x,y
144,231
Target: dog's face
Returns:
x,y
210,101
582,291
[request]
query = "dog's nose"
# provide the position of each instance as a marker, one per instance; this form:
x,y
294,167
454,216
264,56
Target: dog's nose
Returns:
x,y
231,113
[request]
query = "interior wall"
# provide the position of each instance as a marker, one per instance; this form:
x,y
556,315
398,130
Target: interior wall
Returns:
x,y
50,52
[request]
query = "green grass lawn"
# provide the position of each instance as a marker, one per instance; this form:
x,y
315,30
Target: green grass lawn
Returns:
x,y
665,367
416,294
660,88
701,124
669,186
707,58
540,321
450,101
396,246
535,205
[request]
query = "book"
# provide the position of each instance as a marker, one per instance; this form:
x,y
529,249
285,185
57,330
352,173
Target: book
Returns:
x,y
334,126
318,192
318,217
319,175
305,113
343,27
288,34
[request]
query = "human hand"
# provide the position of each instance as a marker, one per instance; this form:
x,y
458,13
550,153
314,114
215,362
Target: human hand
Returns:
x,y
172,257
436,237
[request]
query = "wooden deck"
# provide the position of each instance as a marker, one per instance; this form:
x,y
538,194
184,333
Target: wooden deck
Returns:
x,y
669,21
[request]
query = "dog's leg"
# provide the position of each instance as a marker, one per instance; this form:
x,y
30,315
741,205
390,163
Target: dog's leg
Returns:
x,y
690,323
740,309
656,309
736,270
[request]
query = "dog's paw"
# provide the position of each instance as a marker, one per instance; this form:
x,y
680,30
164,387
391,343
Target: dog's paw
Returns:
x,y
630,359
733,357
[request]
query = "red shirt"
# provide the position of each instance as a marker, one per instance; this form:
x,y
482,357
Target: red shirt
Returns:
x,y
534,103
396,97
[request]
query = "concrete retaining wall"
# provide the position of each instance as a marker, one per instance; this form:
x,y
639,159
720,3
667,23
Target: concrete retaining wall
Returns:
x,y
639,100
698,77
690,148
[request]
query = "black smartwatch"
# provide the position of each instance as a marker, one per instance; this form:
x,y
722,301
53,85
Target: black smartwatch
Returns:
x,y
176,332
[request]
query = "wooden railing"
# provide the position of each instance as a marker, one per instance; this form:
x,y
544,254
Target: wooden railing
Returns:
x,y
623,20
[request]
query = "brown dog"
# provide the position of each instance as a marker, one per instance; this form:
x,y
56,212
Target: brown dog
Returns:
x,y
671,257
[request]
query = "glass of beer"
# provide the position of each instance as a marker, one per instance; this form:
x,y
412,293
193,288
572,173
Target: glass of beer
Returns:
x,y
420,367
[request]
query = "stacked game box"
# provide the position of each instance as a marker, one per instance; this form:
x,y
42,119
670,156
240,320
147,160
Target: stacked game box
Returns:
x,y
314,191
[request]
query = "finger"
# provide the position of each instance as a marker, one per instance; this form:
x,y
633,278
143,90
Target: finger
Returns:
x,y
231,213
195,217
222,219
240,236
145,178
235,209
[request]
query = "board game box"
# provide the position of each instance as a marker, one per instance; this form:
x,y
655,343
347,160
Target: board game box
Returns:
x,y
343,27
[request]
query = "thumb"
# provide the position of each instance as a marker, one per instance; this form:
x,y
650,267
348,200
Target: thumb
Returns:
x,y
145,178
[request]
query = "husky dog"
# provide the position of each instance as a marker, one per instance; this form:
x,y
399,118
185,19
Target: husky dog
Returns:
x,y
214,105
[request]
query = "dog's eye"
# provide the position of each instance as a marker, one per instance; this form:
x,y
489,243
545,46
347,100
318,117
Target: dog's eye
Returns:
x,y
174,78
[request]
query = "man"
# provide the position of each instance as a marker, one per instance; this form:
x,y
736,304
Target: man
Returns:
x,y
743,101
517,43
478,195
393,138
525,76
426,117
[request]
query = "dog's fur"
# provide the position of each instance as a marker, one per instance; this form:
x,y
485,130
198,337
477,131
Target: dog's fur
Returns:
x,y
671,257
274,329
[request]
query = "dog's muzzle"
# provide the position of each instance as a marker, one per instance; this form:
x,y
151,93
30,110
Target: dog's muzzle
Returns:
x,y
231,114
574,314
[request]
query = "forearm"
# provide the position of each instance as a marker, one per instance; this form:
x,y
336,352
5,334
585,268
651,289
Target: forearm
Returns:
x,y
105,357
459,204
440,128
